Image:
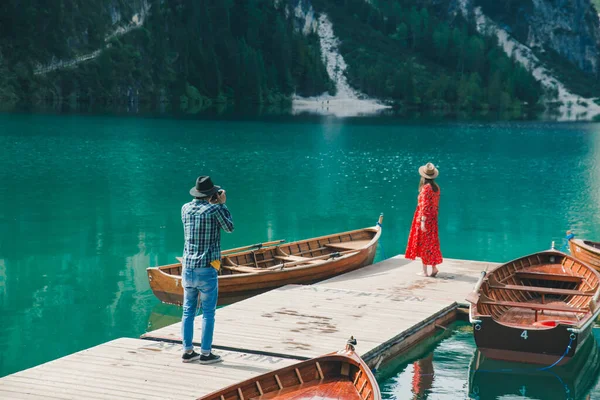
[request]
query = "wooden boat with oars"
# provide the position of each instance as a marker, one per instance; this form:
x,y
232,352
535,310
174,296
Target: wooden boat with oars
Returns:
x,y
586,251
536,309
251,270
342,375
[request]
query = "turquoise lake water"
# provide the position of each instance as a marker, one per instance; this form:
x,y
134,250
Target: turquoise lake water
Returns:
x,y
88,202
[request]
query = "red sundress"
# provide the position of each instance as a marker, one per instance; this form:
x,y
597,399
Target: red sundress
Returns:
x,y
425,244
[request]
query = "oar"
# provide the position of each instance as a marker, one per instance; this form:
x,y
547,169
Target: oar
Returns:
x,y
324,256
473,297
289,264
252,246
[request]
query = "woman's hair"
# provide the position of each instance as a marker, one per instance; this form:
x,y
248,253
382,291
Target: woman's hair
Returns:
x,y
431,182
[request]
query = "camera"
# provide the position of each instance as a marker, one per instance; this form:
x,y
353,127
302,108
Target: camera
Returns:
x,y
215,197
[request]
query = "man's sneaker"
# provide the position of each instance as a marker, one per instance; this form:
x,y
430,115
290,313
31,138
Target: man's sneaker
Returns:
x,y
190,357
210,359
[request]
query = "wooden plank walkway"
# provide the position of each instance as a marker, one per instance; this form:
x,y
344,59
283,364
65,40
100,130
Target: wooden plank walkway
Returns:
x,y
386,306
379,305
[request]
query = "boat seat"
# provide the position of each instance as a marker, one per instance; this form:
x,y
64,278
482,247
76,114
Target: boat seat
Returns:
x,y
483,299
291,258
493,283
243,268
548,277
353,245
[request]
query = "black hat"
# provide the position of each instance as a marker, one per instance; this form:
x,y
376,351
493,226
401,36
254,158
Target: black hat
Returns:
x,y
204,187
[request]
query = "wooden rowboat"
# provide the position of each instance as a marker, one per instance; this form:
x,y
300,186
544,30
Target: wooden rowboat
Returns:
x,y
342,375
537,309
245,273
586,251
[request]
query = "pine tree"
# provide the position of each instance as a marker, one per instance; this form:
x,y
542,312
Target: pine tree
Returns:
x,y
441,41
416,28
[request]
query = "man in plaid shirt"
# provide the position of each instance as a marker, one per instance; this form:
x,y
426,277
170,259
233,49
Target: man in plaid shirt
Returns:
x,y
203,218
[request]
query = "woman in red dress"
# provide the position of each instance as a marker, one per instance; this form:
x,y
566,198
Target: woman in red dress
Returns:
x,y
423,240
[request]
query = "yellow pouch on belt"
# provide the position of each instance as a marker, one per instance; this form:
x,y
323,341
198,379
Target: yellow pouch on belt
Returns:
x,y
216,264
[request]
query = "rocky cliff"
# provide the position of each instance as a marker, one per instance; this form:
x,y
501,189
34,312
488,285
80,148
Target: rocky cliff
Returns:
x,y
570,28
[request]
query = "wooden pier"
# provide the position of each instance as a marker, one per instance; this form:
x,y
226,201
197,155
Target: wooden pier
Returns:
x,y
386,306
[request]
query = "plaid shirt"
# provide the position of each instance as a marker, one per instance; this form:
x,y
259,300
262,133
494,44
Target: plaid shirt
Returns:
x,y
202,223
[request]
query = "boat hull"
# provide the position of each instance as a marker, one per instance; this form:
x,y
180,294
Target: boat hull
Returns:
x,y
234,288
585,252
342,375
533,346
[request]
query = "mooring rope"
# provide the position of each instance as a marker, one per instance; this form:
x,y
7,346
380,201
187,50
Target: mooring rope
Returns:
x,y
571,338
567,239
380,244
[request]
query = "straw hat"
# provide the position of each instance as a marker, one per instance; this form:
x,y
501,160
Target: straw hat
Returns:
x,y
428,171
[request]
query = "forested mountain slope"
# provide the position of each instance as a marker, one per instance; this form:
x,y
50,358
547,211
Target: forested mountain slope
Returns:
x,y
194,53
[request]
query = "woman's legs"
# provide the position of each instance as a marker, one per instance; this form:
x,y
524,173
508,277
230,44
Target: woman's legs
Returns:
x,y
425,269
434,271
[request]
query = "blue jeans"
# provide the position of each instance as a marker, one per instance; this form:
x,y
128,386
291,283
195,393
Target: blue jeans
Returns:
x,y
205,282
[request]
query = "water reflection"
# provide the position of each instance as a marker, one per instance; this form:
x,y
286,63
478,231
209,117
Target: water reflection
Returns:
x,y
246,110
449,367
493,379
435,369
423,375
163,315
